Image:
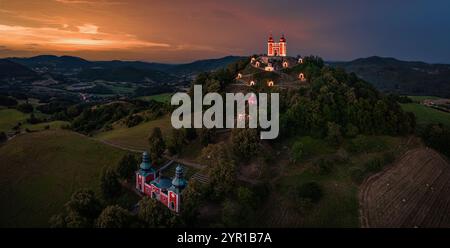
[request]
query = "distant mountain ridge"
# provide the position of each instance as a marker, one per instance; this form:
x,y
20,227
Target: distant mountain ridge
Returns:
x,y
9,70
53,62
403,77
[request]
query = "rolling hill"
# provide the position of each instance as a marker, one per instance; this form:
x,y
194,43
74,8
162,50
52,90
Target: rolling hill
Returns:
x,y
9,70
39,172
53,62
409,78
69,63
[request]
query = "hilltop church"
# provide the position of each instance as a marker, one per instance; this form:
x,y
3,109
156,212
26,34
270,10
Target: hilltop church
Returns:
x,y
276,60
276,48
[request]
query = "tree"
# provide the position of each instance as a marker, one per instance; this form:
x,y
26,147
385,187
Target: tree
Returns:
x,y
213,154
7,101
80,211
351,130
157,145
437,136
298,151
3,137
245,143
85,204
153,214
58,221
207,135
25,108
231,213
33,120
191,200
311,191
334,135
75,220
222,177
114,217
176,141
109,183
190,134
246,197
127,166
222,170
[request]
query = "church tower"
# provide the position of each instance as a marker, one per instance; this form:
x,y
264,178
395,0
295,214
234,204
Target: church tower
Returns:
x,y
145,174
282,46
270,46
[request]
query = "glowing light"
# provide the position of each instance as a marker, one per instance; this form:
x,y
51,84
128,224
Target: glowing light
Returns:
x,y
301,76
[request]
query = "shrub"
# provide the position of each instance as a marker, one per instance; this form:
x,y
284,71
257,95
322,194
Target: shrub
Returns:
x,y
357,175
109,183
374,165
3,137
298,151
133,120
323,166
310,191
127,166
245,143
7,101
364,143
351,130
25,108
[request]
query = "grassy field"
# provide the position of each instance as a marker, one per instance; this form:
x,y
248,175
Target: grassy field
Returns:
x,y
10,117
165,97
418,99
426,115
339,206
41,126
314,147
39,171
135,137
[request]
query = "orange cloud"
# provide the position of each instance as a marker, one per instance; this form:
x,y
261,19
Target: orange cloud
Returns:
x,y
87,38
97,2
88,29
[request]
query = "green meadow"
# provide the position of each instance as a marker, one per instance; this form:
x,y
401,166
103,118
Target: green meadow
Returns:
x,y
135,137
426,115
39,171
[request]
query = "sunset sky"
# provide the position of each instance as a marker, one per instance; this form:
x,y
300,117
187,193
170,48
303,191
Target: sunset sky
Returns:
x,y
185,30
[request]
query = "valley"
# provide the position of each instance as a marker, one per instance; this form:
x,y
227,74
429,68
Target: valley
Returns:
x,y
337,134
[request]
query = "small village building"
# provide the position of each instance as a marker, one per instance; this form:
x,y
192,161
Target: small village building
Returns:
x,y
270,83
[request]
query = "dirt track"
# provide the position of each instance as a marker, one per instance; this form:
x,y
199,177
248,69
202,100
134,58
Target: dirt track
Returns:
x,y
414,192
